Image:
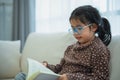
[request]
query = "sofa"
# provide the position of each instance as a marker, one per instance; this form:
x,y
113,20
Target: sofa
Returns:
x,y
46,47
9,59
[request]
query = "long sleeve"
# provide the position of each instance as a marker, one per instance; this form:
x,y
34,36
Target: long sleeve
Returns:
x,y
57,68
85,62
100,71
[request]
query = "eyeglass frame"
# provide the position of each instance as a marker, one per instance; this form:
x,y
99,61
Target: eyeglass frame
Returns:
x,y
79,29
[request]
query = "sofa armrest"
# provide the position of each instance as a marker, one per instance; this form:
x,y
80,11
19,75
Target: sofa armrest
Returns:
x,y
9,59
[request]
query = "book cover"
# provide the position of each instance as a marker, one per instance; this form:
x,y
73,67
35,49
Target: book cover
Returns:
x,y
37,71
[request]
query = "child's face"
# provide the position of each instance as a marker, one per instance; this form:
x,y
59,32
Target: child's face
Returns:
x,y
83,32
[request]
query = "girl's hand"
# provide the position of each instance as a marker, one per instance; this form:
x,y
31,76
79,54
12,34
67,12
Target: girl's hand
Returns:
x,y
63,77
45,63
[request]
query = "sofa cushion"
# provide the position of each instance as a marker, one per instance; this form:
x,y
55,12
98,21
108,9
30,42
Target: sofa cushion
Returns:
x,y
115,57
9,59
49,47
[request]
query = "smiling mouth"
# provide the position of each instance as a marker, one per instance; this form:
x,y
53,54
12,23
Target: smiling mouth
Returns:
x,y
78,37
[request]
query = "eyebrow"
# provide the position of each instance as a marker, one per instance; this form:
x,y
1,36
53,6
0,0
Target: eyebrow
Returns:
x,y
76,26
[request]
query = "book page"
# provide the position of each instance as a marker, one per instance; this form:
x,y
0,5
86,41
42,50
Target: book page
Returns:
x,y
36,68
43,76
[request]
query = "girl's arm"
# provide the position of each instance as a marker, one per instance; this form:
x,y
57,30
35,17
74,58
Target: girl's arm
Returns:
x,y
56,68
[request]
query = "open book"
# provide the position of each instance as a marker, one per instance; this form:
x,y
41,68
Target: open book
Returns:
x,y
37,71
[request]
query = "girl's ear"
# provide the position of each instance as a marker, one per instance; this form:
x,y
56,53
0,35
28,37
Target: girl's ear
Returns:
x,y
94,27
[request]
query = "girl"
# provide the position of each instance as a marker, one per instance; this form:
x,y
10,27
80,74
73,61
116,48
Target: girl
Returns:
x,y
88,58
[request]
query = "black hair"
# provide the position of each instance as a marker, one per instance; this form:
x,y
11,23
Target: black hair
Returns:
x,y
88,14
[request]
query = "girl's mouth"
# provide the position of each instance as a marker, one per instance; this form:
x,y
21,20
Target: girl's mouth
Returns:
x,y
78,38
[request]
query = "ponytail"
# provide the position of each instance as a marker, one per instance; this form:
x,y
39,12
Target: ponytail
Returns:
x,y
104,32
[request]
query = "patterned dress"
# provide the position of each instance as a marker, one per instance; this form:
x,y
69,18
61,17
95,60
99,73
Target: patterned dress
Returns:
x,y
88,62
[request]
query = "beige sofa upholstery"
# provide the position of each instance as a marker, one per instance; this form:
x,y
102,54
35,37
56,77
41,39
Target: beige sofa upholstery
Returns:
x,y
9,59
51,47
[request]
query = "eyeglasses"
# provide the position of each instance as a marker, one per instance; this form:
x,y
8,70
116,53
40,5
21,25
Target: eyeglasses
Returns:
x,y
79,29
